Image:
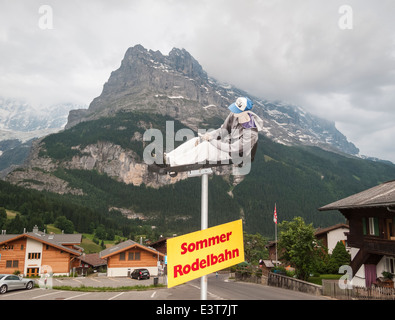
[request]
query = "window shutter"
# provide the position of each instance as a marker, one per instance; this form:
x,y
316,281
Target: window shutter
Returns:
x,y
364,226
376,226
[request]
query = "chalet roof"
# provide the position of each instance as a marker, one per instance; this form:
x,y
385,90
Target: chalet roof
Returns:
x,y
56,240
382,195
331,228
163,239
268,263
93,259
128,244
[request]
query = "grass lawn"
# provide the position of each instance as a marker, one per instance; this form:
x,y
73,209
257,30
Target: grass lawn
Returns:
x,y
11,213
318,279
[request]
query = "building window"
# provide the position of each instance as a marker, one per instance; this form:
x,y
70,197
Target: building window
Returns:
x,y
389,265
32,272
371,226
34,255
12,264
122,256
134,256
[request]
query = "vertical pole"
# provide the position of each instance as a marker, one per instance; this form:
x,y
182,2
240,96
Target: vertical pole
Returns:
x,y
275,231
204,225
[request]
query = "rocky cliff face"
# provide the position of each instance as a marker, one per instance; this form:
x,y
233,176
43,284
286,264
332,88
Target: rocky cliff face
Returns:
x,y
174,85
118,163
105,157
37,173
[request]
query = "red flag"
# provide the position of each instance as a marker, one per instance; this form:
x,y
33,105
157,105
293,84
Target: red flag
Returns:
x,y
275,214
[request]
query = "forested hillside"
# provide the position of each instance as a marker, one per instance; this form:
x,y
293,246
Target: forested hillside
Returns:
x,y
298,179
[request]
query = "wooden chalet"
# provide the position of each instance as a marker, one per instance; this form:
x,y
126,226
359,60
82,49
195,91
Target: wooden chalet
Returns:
x,y
90,263
36,252
371,219
330,236
160,245
126,256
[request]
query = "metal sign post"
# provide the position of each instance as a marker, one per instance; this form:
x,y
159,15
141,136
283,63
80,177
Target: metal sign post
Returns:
x,y
204,217
204,225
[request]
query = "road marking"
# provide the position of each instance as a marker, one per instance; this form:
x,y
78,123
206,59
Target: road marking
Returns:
x,y
152,295
79,295
212,294
46,294
116,296
8,294
77,280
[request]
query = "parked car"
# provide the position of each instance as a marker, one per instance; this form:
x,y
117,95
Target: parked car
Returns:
x,y
140,274
12,282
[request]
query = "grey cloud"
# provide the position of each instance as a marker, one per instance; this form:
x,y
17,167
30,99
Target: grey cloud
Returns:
x,y
278,49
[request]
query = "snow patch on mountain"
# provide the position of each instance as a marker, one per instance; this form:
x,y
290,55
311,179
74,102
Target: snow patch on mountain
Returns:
x,y
23,121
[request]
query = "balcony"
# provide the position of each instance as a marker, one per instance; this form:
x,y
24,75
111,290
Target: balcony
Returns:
x,y
372,245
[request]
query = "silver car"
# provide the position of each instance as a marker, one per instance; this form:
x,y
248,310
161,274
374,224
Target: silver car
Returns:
x,y
13,282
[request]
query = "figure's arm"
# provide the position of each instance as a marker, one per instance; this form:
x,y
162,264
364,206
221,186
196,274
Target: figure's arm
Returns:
x,y
240,146
221,132
230,148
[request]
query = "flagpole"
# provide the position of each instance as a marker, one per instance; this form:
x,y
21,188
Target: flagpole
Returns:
x,y
275,228
276,242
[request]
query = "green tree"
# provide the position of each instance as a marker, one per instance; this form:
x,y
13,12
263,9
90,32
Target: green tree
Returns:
x,y
64,224
3,217
338,258
100,232
297,245
254,248
16,225
322,259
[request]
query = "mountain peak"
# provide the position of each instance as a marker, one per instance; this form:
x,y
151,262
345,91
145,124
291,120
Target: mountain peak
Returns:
x,y
176,85
143,76
183,62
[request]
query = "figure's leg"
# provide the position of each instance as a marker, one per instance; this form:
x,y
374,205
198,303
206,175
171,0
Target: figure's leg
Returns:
x,y
190,153
182,154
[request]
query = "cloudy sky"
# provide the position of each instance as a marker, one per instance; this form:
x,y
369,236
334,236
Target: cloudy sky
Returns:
x,y
336,62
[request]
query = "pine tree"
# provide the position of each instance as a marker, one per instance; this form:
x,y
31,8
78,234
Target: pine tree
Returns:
x,y
338,258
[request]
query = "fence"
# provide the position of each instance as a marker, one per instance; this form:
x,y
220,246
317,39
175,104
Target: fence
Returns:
x,y
277,280
251,274
331,288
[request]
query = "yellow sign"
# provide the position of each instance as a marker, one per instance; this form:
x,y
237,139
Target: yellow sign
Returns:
x,y
202,252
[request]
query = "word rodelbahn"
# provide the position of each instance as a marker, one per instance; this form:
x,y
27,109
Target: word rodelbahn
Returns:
x,y
210,259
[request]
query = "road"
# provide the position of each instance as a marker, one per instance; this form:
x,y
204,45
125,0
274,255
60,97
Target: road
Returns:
x,y
218,289
223,289
225,299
